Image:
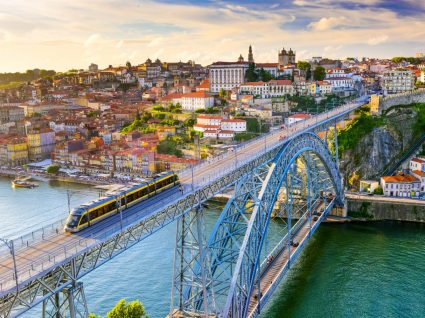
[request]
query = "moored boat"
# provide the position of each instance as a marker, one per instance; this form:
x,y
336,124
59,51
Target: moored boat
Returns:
x,y
17,183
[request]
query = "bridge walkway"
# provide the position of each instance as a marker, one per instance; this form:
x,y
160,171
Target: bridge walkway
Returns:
x,y
275,269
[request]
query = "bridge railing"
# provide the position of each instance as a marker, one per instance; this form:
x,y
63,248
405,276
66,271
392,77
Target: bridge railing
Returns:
x,y
59,252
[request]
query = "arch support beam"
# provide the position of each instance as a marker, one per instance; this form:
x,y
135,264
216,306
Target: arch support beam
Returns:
x,y
303,167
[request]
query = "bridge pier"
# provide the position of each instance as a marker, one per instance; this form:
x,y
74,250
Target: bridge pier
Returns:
x,y
69,302
191,270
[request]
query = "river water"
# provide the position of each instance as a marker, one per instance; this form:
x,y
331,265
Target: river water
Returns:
x,y
347,270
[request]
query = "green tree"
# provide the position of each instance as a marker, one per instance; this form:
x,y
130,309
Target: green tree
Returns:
x,y
122,309
305,67
264,75
53,169
189,122
146,116
319,73
251,75
378,191
169,147
128,65
222,93
158,108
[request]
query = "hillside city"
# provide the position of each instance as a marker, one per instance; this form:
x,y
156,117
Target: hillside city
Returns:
x,y
133,121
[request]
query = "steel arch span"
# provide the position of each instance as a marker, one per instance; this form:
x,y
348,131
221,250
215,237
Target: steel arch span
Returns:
x,y
305,174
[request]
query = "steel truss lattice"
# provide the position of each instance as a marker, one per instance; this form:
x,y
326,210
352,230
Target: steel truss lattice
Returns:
x,y
47,281
303,171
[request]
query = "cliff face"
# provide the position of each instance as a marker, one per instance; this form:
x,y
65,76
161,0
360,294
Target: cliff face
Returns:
x,y
380,147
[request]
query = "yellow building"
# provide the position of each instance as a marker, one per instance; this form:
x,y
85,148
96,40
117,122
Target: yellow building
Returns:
x,y
13,151
164,131
40,143
374,104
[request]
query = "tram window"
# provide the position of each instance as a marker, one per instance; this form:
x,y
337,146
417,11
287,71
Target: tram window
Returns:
x,y
123,201
84,219
145,191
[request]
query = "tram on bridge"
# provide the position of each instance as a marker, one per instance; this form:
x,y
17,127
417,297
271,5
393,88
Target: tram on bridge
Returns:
x,y
88,214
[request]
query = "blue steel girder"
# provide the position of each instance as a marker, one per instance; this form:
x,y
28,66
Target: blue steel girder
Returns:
x,y
238,236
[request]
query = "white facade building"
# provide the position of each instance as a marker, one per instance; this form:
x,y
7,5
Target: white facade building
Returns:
x,y
405,186
340,83
209,120
237,125
336,72
272,68
296,118
420,175
194,101
273,88
398,81
417,164
227,75
422,78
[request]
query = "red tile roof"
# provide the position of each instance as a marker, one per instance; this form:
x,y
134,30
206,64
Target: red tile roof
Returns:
x,y
419,173
400,179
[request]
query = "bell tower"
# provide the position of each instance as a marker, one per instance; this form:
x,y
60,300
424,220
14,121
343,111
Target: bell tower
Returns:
x,y
250,55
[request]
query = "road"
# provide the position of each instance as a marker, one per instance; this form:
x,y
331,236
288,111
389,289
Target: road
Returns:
x,y
384,199
41,254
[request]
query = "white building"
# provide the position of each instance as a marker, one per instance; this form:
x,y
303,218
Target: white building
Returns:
x,y
405,186
273,88
218,127
219,134
192,101
420,175
422,78
237,125
340,83
272,68
398,81
227,75
417,164
209,120
336,72
296,118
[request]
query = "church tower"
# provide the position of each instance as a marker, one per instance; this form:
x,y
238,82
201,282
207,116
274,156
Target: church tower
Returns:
x,y
250,55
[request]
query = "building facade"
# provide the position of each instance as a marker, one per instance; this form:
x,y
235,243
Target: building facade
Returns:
x,y
227,75
286,57
397,81
406,186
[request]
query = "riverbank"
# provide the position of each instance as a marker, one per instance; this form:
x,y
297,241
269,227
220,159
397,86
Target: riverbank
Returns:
x,y
46,177
373,209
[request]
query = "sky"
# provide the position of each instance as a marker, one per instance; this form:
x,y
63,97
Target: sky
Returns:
x,y
63,34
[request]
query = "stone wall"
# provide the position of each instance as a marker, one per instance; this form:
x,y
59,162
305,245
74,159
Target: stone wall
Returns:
x,y
402,99
375,211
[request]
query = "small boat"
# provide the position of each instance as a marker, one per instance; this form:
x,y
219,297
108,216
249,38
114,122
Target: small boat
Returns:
x,y
18,183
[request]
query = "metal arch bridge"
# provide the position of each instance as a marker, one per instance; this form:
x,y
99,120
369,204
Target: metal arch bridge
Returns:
x,y
232,275
45,266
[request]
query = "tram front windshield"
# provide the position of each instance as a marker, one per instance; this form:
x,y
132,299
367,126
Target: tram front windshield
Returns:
x,y
73,220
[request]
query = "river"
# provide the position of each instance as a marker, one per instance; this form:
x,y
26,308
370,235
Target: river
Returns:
x,y
347,270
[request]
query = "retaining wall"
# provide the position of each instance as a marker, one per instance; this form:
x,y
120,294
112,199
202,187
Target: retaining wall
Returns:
x,y
375,210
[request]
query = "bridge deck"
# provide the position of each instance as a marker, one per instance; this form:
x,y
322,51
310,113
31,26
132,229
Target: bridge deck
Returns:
x,y
280,263
37,256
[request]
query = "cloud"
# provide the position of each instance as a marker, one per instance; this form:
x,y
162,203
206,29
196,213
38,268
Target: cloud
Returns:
x,y
92,39
84,31
333,2
119,44
378,40
328,23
